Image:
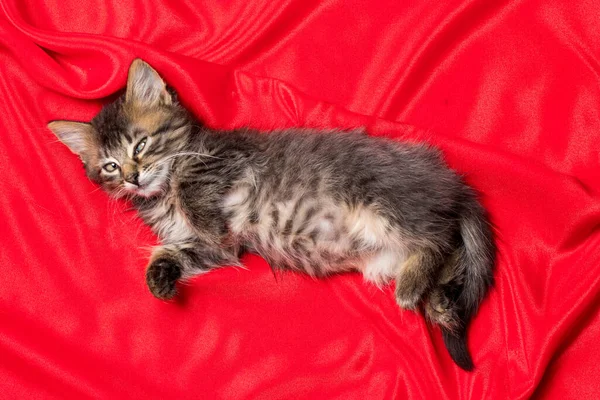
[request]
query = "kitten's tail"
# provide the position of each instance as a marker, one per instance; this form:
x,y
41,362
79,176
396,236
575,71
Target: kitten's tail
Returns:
x,y
464,282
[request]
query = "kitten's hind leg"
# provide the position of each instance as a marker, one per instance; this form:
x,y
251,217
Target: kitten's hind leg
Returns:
x,y
415,276
172,262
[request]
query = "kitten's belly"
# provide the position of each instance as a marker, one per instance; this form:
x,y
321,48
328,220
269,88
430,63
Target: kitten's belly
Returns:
x,y
316,236
316,253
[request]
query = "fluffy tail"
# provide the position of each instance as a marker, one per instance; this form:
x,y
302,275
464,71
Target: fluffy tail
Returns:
x,y
464,282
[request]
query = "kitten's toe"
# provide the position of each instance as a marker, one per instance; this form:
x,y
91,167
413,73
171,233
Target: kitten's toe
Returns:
x,y
161,277
408,303
439,310
408,296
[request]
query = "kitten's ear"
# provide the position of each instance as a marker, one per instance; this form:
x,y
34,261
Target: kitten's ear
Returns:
x,y
145,87
78,136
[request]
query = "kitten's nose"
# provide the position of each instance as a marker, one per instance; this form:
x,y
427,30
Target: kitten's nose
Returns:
x,y
132,177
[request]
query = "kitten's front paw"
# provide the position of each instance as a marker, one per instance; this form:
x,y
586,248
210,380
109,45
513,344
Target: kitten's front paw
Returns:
x,y
161,277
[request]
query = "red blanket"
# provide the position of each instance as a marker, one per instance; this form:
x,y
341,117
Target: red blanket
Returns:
x,y
507,89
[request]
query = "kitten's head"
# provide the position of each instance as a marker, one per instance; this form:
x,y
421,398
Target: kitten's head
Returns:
x,y
129,146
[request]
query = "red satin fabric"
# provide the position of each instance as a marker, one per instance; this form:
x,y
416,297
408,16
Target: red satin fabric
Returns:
x,y
508,89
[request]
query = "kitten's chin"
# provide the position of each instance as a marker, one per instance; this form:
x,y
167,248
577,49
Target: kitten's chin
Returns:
x,y
151,189
148,192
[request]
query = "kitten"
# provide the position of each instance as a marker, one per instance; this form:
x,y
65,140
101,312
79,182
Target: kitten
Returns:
x,y
309,201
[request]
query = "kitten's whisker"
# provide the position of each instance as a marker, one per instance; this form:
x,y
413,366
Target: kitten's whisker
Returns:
x,y
54,141
95,190
148,249
114,204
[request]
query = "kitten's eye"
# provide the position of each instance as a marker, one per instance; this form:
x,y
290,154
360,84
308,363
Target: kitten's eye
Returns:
x,y
110,167
140,146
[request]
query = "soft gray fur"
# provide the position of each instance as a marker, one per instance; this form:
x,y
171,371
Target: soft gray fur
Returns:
x,y
315,202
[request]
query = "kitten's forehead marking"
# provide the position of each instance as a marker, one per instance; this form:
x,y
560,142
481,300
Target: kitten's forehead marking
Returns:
x,y
147,120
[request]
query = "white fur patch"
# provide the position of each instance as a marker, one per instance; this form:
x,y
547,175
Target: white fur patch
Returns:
x,y
326,228
236,204
368,227
236,197
383,266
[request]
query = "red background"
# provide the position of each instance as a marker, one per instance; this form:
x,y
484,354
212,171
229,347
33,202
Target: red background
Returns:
x,y
508,89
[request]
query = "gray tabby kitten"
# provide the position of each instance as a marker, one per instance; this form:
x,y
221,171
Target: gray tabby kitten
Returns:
x,y
316,202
